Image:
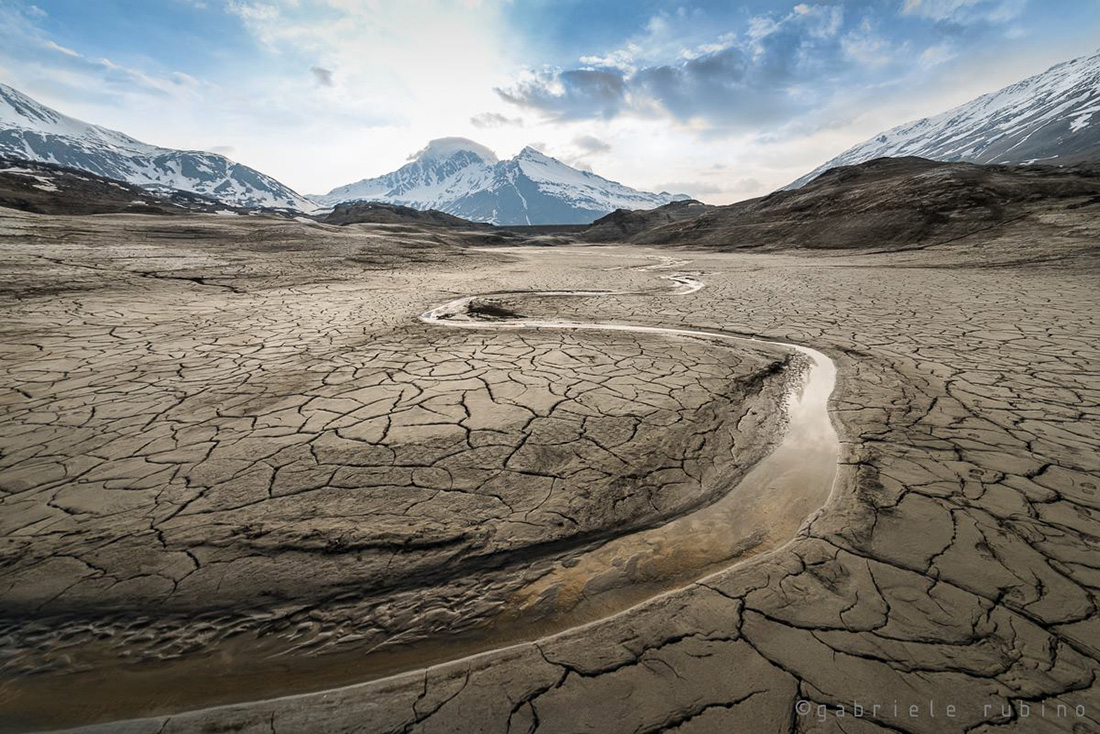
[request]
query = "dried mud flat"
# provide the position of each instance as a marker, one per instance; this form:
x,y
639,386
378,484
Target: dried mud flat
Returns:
x,y
234,462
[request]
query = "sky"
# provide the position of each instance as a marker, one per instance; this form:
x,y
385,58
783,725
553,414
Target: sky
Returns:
x,y
720,100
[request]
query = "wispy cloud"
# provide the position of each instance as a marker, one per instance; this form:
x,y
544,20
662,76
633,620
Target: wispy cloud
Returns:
x,y
69,69
489,120
965,11
61,49
939,54
591,145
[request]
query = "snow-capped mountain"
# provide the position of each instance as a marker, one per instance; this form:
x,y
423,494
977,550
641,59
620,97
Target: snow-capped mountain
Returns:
x,y
463,178
1051,118
32,131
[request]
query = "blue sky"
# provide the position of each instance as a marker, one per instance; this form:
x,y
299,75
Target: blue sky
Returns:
x,y
723,100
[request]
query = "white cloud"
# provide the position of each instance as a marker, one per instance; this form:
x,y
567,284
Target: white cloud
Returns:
x,y
253,12
622,58
778,68
485,120
591,145
61,49
865,45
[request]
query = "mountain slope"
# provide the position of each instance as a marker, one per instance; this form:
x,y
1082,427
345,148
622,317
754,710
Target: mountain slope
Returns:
x,y
32,131
463,178
623,223
1053,117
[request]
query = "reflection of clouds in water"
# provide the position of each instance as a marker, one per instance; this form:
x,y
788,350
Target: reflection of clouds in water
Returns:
x,y
807,409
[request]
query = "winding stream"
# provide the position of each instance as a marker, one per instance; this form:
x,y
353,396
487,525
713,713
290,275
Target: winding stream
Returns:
x,y
762,512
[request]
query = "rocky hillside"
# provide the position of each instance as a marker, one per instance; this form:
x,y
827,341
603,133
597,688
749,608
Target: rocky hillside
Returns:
x,y
886,204
46,188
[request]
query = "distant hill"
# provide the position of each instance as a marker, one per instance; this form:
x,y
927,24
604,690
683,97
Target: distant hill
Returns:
x,y
1053,117
374,212
460,177
624,223
885,204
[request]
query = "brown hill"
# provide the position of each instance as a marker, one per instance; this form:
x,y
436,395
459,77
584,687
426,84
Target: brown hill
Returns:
x,y
374,212
623,223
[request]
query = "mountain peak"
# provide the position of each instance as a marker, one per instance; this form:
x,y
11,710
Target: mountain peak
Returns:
x,y
17,110
444,148
532,154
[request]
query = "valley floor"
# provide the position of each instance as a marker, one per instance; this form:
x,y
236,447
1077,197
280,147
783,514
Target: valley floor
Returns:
x,y
235,465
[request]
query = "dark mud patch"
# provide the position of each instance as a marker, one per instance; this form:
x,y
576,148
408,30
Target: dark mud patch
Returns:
x,y
491,310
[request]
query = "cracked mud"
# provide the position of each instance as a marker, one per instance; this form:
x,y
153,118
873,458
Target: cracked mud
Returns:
x,y
232,445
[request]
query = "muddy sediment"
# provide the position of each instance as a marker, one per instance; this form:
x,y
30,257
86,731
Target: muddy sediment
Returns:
x,y
294,481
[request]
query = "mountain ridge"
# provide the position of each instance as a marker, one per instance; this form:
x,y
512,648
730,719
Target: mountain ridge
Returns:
x,y
1052,117
32,131
465,179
